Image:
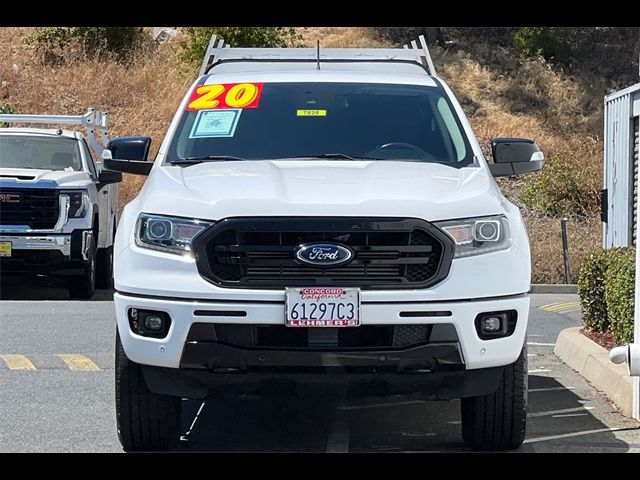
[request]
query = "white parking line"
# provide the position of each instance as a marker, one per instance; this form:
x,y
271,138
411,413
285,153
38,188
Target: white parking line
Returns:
x,y
569,415
556,412
378,405
550,389
576,434
338,440
185,437
537,344
539,370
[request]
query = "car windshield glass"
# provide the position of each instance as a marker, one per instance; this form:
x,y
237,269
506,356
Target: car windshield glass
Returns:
x,y
332,120
46,153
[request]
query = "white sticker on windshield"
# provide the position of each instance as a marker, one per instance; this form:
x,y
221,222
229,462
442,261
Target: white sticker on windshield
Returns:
x,y
215,123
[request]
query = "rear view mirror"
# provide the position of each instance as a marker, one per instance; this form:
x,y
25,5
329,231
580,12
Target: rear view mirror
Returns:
x,y
515,156
128,155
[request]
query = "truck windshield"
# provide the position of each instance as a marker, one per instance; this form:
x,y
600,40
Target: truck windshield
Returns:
x,y
45,153
337,121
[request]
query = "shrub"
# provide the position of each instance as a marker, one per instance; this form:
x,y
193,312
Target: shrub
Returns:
x,y
619,287
91,40
548,42
6,109
591,291
563,187
398,35
197,38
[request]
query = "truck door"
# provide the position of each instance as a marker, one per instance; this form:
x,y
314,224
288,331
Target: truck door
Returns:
x,y
105,210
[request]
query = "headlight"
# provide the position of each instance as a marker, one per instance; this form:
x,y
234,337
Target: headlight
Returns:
x,y
168,234
474,236
78,203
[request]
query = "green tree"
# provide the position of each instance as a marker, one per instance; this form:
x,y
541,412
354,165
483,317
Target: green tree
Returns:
x,y
6,109
548,42
118,40
196,39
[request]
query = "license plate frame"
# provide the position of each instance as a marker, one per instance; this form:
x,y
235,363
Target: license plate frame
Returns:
x,y
5,249
348,297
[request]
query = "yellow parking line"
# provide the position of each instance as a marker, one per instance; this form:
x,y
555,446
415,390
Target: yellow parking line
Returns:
x,y
551,305
561,307
78,362
17,362
568,305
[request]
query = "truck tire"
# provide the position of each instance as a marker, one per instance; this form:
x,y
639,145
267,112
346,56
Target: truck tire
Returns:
x,y
83,286
498,421
104,268
145,420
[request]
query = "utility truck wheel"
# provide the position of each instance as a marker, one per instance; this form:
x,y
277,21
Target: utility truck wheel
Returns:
x,y
104,270
83,286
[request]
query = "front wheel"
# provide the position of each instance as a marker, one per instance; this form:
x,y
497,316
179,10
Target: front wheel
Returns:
x,y
145,420
83,286
498,421
104,270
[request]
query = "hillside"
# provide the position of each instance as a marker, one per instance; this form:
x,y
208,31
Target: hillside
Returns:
x,y
503,94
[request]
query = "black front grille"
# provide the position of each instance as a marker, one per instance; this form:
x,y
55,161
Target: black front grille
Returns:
x,y
260,252
37,208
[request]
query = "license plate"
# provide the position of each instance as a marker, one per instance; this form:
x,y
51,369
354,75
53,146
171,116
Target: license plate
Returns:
x,y
323,307
5,249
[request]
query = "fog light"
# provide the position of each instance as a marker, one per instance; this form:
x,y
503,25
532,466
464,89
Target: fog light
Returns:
x,y
490,324
149,323
153,323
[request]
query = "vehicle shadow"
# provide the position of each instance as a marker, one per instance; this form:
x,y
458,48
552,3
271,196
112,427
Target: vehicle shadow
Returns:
x,y
558,420
33,287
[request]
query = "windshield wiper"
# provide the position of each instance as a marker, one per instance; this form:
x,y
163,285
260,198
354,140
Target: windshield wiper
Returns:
x,y
334,156
205,158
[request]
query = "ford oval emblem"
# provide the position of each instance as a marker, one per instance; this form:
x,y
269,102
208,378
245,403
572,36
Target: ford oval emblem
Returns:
x,y
323,254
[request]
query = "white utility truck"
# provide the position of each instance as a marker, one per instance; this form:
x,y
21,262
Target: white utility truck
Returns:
x,y
322,215
58,207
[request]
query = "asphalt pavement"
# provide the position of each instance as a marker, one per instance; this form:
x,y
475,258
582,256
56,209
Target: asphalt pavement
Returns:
x,y
57,394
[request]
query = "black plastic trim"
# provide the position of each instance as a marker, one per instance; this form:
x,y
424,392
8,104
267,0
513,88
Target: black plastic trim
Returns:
x,y
425,314
220,313
201,384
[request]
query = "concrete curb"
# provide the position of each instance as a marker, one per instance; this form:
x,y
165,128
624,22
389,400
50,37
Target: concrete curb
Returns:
x,y
592,362
553,288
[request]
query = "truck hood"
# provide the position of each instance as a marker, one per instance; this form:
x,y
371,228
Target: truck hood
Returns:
x,y
216,190
32,178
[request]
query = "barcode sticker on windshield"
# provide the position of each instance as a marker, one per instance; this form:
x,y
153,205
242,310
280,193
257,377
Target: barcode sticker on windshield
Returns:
x,y
311,113
215,123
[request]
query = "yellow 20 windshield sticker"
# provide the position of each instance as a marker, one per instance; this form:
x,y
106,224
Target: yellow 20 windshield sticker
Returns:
x,y
311,113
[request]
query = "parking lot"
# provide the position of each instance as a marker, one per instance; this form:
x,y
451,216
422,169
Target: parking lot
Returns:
x,y
56,368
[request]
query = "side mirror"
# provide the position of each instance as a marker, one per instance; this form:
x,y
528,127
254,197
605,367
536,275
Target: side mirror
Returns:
x,y
515,156
128,155
106,177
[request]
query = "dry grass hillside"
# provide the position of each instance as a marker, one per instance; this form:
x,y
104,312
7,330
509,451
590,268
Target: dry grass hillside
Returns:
x,y
503,96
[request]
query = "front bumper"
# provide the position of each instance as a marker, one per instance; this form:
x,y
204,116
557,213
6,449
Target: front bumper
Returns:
x,y
47,253
59,243
475,352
